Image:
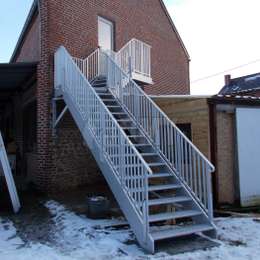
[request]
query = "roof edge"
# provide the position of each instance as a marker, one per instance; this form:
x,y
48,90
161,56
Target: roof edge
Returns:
x,y
28,20
179,96
175,29
229,99
19,64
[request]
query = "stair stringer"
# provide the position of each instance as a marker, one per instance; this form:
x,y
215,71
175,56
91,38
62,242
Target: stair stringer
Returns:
x,y
144,238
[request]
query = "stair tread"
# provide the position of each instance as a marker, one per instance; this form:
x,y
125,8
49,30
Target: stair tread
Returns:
x,y
173,215
139,145
149,154
168,200
180,231
124,119
160,175
164,187
118,113
131,127
111,99
157,164
100,83
104,94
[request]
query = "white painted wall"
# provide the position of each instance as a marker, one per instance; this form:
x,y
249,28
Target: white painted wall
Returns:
x,y
248,143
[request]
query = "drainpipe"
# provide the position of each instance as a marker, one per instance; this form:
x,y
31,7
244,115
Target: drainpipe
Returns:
x,y
213,148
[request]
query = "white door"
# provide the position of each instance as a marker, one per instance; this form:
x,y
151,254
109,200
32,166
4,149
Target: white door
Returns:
x,y
105,34
248,143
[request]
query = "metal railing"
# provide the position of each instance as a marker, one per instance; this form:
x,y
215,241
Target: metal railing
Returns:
x,y
128,165
190,165
90,66
136,57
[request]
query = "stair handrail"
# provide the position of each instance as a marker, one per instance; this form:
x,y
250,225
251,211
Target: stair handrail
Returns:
x,y
90,66
71,79
191,166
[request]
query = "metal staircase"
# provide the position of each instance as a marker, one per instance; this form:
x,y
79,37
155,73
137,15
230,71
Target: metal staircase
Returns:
x,y
159,178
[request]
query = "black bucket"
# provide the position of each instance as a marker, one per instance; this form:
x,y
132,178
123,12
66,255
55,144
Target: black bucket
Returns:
x,y
98,207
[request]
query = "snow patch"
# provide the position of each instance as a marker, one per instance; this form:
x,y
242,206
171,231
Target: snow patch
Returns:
x,y
77,237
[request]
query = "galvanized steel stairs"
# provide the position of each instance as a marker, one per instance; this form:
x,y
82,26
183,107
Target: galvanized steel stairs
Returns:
x,y
156,202
165,191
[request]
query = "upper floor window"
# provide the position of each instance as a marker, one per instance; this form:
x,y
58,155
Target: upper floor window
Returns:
x,y
105,34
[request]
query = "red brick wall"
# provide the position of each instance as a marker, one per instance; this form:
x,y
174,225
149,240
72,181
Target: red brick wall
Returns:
x,y
75,165
30,50
74,25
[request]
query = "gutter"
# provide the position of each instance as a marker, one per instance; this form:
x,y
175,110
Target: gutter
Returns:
x,y
29,18
179,96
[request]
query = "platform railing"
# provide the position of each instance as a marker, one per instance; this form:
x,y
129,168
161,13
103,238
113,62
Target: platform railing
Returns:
x,y
135,57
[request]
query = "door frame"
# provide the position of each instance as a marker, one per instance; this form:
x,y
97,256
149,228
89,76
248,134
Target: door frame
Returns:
x,y
112,25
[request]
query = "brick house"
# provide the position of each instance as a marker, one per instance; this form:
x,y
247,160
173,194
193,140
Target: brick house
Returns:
x,y
54,23
75,103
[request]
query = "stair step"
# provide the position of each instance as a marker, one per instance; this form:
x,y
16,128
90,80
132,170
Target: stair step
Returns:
x,y
112,106
156,164
136,136
174,215
164,187
100,90
101,83
130,128
104,94
118,113
141,145
124,120
168,200
108,100
160,175
180,231
149,154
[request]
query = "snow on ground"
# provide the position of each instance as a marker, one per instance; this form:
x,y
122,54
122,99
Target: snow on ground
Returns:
x,y
77,237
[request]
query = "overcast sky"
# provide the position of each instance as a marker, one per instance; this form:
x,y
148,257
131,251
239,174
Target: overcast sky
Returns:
x,y
219,35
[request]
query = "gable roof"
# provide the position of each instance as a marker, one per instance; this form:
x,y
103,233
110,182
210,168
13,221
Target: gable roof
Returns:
x,y
33,10
174,28
242,84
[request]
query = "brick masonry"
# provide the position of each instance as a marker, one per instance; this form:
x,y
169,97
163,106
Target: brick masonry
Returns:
x,y
63,161
192,111
225,157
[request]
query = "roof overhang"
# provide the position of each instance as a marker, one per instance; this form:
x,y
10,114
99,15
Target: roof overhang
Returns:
x,y
235,100
13,76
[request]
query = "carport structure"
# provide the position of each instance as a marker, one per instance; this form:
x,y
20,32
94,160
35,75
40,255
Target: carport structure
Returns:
x,y
18,116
